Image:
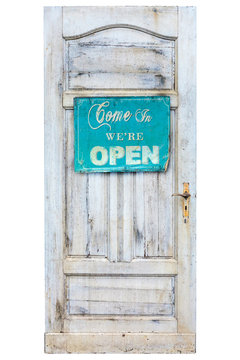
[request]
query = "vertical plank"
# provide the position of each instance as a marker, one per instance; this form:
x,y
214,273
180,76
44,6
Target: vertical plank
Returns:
x,y
87,198
165,213
54,169
174,162
120,202
112,217
139,223
97,203
76,190
128,217
151,214
166,218
186,167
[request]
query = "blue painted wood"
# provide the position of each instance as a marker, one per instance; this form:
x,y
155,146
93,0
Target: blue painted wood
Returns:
x,y
121,134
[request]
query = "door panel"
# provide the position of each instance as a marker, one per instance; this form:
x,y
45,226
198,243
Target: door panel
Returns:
x,y
136,207
108,59
121,296
120,269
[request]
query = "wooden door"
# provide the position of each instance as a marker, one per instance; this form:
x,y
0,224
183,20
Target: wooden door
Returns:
x,y
120,249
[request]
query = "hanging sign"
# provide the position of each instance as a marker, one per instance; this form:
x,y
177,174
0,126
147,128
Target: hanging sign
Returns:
x,y
121,134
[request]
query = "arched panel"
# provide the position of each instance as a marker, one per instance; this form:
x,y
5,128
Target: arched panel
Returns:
x,y
120,58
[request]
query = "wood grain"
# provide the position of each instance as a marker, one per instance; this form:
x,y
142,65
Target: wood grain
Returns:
x,y
187,169
54,170
160,20
101,266
69,95
122,324
118,295
120,262
120,343
108,60
119,216
76,202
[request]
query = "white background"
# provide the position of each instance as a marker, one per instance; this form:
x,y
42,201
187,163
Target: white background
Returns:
x,y
22,198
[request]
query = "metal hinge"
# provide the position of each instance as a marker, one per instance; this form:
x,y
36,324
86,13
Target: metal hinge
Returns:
x,y
186,196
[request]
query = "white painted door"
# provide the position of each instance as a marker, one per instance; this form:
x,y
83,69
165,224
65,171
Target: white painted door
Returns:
x,y
120,255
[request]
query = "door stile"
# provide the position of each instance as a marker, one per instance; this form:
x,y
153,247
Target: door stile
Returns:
x,y
54,170
186,169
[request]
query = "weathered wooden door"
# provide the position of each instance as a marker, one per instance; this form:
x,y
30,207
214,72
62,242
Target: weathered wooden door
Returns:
x,y
120,249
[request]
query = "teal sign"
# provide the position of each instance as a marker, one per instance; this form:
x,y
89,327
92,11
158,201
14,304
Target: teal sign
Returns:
x,y
121,133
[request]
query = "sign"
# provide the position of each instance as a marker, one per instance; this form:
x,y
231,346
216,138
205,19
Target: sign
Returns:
x,y
121,134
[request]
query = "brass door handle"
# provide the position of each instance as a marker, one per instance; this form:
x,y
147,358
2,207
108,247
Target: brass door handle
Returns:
x,y
185,195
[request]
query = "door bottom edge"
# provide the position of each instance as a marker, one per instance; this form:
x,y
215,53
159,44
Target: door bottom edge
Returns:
x,y
166,343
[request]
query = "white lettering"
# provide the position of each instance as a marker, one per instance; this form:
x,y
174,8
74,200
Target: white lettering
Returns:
x,y
144,117
99,111
127,116
131,136
135,155
110,136
139,136
94,155
119,136
103,118
116,152
131,153
147,154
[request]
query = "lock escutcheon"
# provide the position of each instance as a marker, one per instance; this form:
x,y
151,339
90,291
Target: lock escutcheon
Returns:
x,y
186,195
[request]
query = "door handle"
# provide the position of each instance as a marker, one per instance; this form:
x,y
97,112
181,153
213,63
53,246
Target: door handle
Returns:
x,y
186,196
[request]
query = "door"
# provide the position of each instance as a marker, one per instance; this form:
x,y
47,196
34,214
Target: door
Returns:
x,y
120,246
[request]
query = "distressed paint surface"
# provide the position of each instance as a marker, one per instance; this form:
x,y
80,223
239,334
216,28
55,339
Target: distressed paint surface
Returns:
x,y
105,249
132,343
121,134
118,295
107,60
147,19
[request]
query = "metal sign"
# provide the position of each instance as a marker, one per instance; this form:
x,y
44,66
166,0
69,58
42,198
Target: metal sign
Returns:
x,y
121,134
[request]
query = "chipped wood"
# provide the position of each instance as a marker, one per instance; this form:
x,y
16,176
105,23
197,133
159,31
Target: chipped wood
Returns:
x,y
120,343
160,21
104,61
68,96
54,171
84,266
120,266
